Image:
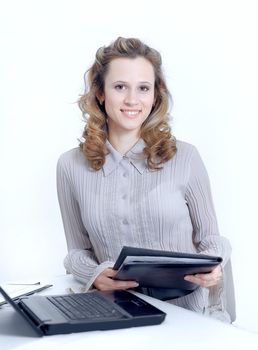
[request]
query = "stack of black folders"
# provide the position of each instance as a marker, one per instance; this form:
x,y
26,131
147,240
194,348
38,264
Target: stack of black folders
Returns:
x,y
162,271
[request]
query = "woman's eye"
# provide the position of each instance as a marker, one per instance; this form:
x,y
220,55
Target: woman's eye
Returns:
x,y
144,88
119,87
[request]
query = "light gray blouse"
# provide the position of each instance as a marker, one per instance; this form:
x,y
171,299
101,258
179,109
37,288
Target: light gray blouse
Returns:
x,y
125,203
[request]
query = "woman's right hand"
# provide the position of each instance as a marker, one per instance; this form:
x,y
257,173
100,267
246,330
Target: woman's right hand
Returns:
x,y
105,281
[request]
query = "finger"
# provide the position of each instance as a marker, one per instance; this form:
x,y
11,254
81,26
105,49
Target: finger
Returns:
x,y
216,274
109,284
110,272
105,281
125,284
202,278
207,277
202,282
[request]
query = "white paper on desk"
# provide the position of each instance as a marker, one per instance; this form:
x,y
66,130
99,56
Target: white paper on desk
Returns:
x,y
18,290
163,260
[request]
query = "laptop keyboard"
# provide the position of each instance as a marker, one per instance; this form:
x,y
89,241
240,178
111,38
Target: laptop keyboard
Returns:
x,y
86,306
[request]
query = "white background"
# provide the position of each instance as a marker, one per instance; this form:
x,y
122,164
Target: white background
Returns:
x,y
210,56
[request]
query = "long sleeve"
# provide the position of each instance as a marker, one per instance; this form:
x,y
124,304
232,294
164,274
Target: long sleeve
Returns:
x,y
80,260
206,235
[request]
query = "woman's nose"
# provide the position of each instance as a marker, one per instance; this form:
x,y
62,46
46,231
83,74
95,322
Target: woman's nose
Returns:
x,y
131,98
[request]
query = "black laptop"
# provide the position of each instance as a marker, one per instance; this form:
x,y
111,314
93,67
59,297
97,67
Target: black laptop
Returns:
x,y
95,310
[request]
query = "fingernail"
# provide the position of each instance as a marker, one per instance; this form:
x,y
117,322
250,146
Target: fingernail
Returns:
x,y
136,284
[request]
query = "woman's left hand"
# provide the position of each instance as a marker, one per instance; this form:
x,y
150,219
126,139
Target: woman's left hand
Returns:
x,y
206,279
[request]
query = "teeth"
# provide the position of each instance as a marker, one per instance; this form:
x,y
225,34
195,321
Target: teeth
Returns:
x,y
131,113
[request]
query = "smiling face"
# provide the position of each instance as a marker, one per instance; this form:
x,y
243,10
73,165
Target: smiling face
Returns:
x,y
128,94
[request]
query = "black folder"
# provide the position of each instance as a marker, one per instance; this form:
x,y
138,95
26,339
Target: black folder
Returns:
x,y
159,269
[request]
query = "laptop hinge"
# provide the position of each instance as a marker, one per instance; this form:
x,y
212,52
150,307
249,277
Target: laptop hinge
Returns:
x,y
32,318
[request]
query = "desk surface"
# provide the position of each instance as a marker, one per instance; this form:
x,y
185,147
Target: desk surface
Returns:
x,y
182,329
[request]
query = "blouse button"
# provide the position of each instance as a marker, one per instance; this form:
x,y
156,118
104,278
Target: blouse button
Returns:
x,y
125,222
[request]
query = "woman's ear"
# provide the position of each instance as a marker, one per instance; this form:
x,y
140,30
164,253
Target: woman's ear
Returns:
x,y
101,99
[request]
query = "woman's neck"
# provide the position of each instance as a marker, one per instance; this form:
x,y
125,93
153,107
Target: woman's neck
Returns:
x,y
123,142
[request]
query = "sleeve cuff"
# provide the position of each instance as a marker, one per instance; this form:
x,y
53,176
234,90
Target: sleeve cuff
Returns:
x,y
100,268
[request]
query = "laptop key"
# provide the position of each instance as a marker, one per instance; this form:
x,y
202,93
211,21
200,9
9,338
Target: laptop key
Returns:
x,y
86,306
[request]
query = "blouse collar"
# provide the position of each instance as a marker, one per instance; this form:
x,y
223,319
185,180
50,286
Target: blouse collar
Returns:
x,y
134,155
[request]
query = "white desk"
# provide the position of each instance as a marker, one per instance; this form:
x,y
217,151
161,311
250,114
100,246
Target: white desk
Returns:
x,y
182,329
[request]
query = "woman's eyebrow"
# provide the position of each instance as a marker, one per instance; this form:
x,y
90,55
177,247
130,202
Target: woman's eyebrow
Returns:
x,y
146,82
126,82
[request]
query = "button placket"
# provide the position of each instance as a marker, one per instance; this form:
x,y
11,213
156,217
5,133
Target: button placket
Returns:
x,y
124,193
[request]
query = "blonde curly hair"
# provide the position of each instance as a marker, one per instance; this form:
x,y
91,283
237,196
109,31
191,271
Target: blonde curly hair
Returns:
x,y
160,145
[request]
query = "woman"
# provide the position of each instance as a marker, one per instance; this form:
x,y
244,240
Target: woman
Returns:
x,y
132,183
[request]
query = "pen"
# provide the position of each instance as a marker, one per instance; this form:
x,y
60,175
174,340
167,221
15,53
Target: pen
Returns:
x,y
34,291
23,284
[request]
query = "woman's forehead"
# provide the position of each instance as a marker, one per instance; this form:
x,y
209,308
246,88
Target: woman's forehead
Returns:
x,y
127,69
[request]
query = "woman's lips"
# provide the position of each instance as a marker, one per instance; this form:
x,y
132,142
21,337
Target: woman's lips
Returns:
x,y
131,112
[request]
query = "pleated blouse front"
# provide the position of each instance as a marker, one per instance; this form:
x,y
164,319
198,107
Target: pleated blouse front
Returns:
x,y
125,203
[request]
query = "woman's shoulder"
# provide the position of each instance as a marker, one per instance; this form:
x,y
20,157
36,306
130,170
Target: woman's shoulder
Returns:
x,y
72,158
185,148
